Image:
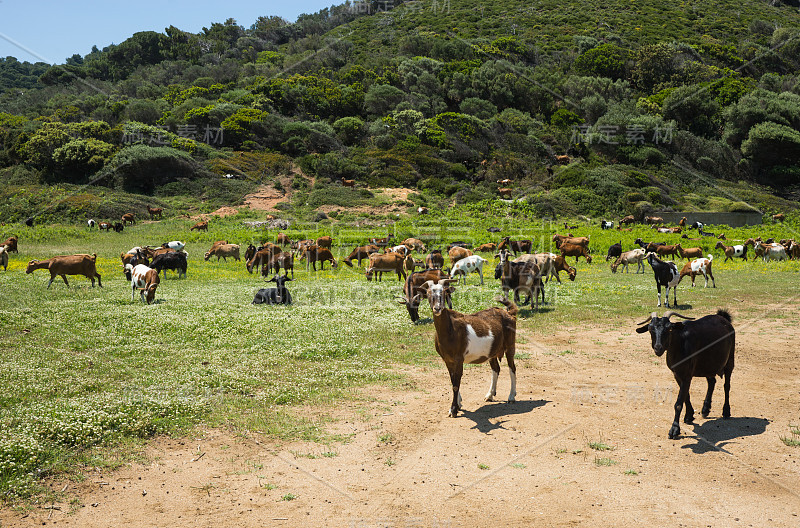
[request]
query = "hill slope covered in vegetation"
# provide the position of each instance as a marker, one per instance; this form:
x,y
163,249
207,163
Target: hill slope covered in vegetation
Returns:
x,y
691,106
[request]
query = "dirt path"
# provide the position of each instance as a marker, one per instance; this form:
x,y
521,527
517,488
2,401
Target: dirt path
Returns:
x,y
523,464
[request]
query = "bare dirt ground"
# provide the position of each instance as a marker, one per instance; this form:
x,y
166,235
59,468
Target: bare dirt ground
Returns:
x,y
527,463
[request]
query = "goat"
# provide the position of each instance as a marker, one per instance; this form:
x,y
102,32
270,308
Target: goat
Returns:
x,y
316,254
563,159
413,291
64,265
780,217
487,248
360,253
634,256
568,227
697,225
173,260
468,265
105,226
283,240
614,251
128,219
415,243
515,246
505,192
280,260
154,212
199,226
493,229
119,227
663,249
770,251
653,220
698,266
11,244
674,230
606,225
223,251
146,280
381,242
574,250
549,265
630,219
4,258
473,338
521,276
422,210
90,223
457,253
434,260
348,183
689,253
133,258
706,233
682,223
667,275
569,239
698,348
177,245
325,242
277,295
403,250
260,256
385,262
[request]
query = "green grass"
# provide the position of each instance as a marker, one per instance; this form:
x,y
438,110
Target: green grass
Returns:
x,y
87,375
483,466
604,461
601,446
794,439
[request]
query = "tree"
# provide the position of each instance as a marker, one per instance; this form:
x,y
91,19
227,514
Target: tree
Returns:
x,y
606,60
654,65
380,98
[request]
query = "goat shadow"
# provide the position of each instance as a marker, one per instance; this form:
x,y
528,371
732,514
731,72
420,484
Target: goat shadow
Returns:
x,y
528,312
713,435
483,415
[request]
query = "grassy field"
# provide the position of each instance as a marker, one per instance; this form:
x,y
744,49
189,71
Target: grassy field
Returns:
x,y
86,373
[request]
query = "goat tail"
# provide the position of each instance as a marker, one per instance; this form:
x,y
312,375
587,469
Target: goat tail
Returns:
x,y
724,314
510,306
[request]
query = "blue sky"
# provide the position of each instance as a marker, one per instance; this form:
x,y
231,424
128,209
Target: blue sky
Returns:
x,y
51,31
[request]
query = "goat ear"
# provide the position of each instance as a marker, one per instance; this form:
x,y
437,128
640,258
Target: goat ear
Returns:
x,y
643,329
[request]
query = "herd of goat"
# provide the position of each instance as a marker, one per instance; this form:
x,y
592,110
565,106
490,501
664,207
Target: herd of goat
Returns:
x,y
695,348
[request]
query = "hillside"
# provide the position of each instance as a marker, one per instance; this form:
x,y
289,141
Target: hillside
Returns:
x,y
620,109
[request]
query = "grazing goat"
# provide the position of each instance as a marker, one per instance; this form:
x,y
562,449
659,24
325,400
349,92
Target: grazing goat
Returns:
x,y
653,220
614,251
473,338
689,253
413,291
457,253
630,219
667,275
434,260
223,251
487,248
515,246
174,260
277,295
606,224
133,258
634,256
493,229
316,254
280,260
468,265
550,265
128,219
381,242
574,250
11,244
146,280
697,225
177,245
780,217
325,242
569,239
732,252
283,240
770,251
698,266
416,244
119,227
155,212
200,226
64,265
505,192
385,262
698,348
4,258
105,226
403,250
90,223
260,256
360,253
521,276
663,250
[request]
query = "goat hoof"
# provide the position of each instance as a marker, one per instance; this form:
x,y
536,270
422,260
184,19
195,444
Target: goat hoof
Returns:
x,y
453,412
489,397
688,419
675,432
726,413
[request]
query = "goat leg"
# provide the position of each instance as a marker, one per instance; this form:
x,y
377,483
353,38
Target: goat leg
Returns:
x,y
707,403
683,394
456,371
512,372
495,374
726,408
688,417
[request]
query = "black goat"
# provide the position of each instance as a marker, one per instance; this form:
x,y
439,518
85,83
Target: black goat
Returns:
x,y
667,275
521,277
606,225
174,260
277,295
119,227
701,348
614,251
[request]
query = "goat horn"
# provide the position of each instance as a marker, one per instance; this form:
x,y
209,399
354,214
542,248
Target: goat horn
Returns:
x,y
400,300
676,314
652,316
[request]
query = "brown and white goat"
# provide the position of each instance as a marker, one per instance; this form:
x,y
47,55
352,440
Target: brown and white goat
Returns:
x,y
64,265
145,280
697,267
473,338
4,257
11,244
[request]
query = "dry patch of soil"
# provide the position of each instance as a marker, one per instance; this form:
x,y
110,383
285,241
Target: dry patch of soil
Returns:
x,y
527,463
